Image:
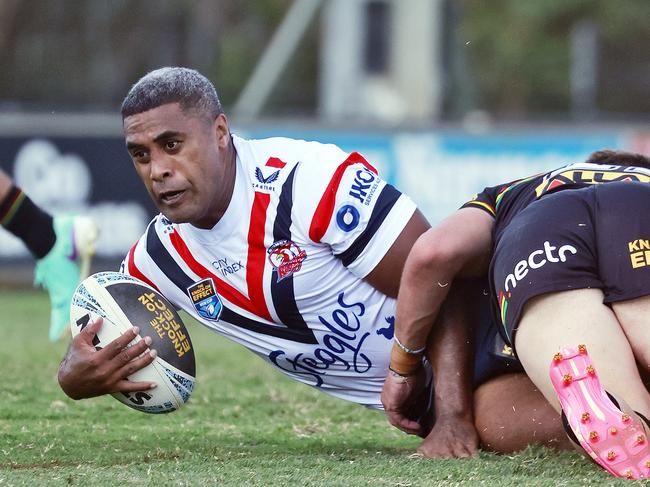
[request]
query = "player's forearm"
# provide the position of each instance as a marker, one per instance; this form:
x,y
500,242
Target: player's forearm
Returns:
x,y
460,245
450,353
426,280
421,295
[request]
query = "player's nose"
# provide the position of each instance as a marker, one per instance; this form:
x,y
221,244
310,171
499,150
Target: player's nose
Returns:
x,y
161,167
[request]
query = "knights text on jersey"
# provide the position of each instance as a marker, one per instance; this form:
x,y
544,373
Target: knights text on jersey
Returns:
x,y
506,200
282,271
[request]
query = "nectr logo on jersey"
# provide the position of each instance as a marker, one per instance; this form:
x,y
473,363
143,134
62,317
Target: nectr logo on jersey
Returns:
x,y
537,259
205,299
364,186
286,258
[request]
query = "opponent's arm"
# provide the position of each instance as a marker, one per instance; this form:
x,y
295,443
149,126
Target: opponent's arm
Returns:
x,y
459,246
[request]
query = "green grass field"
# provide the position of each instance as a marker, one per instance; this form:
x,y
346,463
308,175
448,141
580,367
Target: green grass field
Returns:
x,y
244,425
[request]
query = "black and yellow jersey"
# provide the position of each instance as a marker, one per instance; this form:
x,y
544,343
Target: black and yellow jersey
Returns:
x,y
504,201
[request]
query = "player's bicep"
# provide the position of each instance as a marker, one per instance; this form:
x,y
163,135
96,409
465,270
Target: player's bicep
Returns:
x,y
461,244
476,245
387,274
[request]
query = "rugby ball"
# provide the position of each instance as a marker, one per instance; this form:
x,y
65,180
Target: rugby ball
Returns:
x,y
123,301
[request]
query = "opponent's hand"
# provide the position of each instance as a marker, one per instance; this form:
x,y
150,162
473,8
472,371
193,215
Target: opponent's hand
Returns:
x,y
399,397
451,437
86,372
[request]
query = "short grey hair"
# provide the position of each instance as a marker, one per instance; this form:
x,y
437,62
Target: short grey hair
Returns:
x,y
187,87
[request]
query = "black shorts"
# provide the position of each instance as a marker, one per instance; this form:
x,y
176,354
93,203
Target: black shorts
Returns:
x,y
492,355
594,237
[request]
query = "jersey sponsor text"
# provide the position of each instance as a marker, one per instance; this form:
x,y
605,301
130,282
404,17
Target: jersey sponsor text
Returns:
x,y
537,259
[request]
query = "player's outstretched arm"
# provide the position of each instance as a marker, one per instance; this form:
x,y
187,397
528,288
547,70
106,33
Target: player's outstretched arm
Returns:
x,y
86,372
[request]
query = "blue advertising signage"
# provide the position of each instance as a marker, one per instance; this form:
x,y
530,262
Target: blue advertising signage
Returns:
x,y
440,170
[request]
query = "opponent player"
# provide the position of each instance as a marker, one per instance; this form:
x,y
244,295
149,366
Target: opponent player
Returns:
x,y
63,246
297,246
567,268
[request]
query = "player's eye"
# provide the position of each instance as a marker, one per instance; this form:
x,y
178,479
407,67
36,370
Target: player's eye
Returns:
x,y
172,145
139,155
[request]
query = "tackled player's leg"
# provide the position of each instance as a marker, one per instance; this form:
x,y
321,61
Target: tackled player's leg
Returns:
x,y
591,380
511,413
554,321
634,316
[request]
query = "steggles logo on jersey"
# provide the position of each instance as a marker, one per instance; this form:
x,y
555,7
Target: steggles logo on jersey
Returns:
x,y
639,252
347,218
265,182
286,258
342,346
364,186
205,299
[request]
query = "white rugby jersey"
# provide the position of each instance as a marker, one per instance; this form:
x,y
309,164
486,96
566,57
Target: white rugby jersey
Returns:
x,y
282,272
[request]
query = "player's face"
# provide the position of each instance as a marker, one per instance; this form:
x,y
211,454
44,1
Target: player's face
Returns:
x,y
186,162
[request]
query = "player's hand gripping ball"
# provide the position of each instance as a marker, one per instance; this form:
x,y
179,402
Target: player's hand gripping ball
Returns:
x,y
123,301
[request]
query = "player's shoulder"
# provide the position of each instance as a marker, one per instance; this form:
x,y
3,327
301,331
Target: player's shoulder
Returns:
x,y
289,151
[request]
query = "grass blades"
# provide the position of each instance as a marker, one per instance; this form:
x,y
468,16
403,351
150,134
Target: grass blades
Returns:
x,y
244,425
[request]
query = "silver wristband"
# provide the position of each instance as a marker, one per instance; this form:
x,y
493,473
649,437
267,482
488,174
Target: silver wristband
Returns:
x,y
412,351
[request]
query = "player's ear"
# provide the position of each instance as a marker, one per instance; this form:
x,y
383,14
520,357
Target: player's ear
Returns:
x,y
222,130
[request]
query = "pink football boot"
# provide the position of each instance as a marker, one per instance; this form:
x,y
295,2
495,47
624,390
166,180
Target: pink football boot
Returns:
x,y
615,440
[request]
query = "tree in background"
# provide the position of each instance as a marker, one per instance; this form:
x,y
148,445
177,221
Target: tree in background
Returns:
x,y
84,54
518,53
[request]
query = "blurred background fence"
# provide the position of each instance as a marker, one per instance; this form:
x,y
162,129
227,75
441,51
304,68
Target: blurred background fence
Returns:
x,y
445,96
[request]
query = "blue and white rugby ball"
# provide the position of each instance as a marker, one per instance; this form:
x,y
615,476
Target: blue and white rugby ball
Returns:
x,y
124,301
